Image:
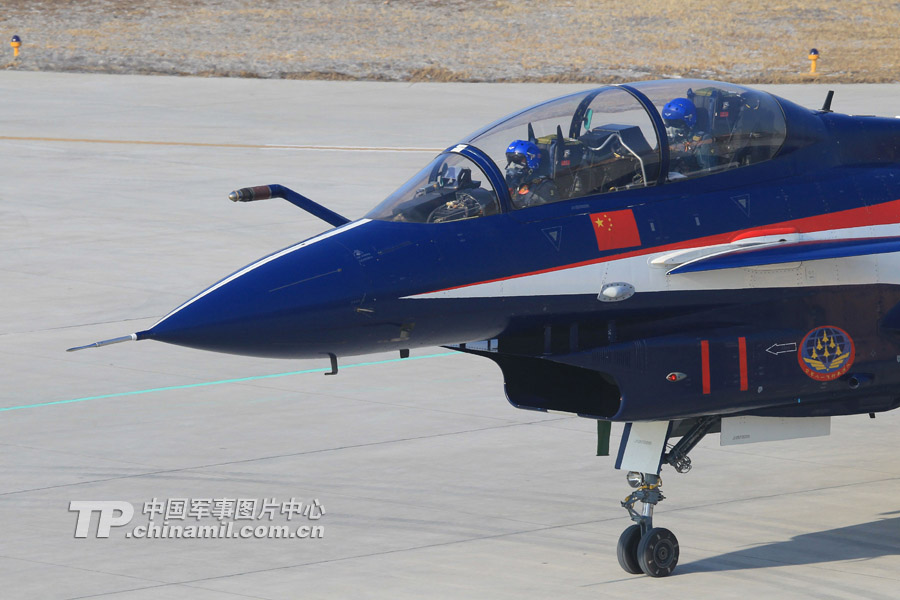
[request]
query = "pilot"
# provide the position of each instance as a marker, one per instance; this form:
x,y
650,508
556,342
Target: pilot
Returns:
x,y
527,185
689,148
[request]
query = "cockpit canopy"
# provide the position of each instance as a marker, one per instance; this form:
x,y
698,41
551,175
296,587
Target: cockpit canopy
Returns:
x,y
594,142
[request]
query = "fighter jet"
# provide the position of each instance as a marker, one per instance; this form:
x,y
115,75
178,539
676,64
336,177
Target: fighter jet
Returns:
x,y
683,256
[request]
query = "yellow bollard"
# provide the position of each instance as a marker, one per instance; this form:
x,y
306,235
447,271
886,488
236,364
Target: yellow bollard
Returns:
x,y
813,57
15,43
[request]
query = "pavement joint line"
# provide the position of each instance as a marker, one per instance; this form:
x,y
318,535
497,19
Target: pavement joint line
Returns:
x,y
62,327
15,138
465,540
469,539
271,457
188,386
163,585
84,569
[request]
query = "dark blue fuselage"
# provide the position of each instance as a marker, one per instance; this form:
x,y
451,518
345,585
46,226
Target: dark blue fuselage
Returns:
x,y
376,285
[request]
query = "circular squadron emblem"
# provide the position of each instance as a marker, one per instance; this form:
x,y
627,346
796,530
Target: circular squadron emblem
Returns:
x,y
826,353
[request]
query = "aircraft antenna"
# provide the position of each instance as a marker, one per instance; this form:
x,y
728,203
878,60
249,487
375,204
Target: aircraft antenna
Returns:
x,y
827,106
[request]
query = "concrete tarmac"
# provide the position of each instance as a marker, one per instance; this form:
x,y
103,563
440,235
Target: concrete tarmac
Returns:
x,y
113,211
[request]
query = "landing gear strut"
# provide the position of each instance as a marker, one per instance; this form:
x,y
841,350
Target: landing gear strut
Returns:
x,y
643,548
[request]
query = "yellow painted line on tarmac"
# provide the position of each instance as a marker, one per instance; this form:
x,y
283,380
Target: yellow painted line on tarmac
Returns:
x,y
220,145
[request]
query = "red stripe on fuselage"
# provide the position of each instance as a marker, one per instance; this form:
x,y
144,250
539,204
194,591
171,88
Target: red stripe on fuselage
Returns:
x,y
704,366
742,352
879,214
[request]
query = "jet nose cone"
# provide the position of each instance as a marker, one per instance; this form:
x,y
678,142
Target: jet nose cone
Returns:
x,y
282,305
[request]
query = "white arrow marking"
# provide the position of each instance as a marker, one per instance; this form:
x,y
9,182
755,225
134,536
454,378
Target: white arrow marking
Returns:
x,y
777,349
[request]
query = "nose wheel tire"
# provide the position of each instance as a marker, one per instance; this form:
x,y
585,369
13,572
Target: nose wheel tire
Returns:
x,y
627,550
657,552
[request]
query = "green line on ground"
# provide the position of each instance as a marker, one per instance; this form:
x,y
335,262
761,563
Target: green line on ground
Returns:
x,y
220,382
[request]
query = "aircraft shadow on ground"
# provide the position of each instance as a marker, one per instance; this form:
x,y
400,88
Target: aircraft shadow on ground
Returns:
x,y
857,542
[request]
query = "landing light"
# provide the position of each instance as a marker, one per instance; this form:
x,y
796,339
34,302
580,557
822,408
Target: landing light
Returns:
x,y
635,479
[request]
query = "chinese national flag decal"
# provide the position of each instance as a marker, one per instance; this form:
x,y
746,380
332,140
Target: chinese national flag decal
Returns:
x,y
616,229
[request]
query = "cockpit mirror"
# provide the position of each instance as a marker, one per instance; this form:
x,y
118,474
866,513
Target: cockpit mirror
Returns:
x,y
587,119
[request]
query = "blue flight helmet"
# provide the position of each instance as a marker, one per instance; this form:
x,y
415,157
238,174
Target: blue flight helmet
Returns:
x,y
524,153
680,113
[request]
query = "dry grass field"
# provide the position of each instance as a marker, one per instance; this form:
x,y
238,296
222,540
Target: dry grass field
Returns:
x,y
461,40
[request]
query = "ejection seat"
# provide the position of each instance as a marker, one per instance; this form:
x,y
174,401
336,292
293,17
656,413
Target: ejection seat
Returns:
x,y
617,156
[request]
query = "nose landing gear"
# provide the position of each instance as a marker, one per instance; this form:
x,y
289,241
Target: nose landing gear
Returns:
x,y
643,548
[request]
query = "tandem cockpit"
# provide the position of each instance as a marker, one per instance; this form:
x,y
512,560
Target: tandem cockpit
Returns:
x,y
595,142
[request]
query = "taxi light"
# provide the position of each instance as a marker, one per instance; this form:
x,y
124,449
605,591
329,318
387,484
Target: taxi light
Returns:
x,y
635,479
813,57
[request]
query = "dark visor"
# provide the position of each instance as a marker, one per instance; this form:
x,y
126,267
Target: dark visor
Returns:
x,y
516,157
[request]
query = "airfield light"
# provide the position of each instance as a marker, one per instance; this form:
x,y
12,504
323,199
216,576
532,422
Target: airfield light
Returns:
x,y
15,43
635,479
813,57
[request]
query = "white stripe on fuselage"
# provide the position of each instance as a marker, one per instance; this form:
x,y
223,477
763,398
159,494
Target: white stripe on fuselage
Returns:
x,y
636,270
266,260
